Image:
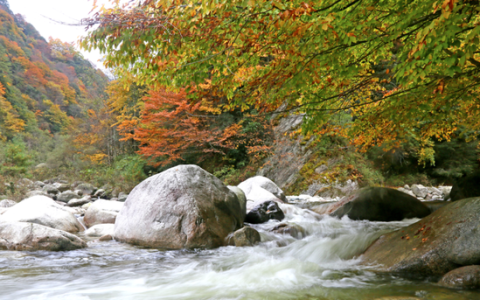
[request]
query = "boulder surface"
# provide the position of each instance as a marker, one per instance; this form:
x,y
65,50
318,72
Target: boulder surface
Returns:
x,y
23,236
102,212
435,245
465,277
263,212
182,207
380,204
264,183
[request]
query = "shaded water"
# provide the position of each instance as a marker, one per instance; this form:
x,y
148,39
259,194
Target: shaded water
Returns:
x,y
323,265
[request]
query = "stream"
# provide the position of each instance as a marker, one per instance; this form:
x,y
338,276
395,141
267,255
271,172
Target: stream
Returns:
x,y
322,265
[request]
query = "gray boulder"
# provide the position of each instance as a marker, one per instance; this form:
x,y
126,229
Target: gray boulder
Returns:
x,y
182,207
443,241
50,189
263,212
263,182
62,187
100,230
380,204
66,196
465,277
79,202
102,212
23,236
258,196
44,211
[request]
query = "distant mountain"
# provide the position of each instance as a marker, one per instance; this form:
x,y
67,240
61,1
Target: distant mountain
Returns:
x,y
44,85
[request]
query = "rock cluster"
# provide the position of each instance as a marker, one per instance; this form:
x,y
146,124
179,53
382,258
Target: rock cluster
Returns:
x,y
426,193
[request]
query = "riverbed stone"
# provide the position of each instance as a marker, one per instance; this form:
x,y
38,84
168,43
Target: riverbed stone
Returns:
x,y
66,196
264,183
467,277
86,189
293,230
263,212
244,237
380,204
105,238
44,211
419,190
100,230
182,207
122,197
50,189
438,243
37,193
23,236
7,203
102,212
258,196
79,202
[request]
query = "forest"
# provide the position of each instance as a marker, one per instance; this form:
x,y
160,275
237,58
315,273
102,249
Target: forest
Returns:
x,y
393,86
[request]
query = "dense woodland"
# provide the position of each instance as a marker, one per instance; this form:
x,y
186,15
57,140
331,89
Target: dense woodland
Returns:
x,y
390,85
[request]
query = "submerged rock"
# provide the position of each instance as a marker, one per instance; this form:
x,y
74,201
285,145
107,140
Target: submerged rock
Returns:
x,y
263,212
44,211
440,242
102,212
182,207
23,236
379,204
294,231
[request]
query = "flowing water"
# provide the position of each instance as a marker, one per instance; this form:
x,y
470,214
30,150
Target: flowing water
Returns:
x,y
322,265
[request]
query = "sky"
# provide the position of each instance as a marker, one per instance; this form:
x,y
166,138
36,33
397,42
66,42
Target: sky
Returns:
x,y
37,13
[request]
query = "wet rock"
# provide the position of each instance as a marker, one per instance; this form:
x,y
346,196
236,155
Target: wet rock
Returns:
x,y
465,277
294,231
263,212
86,189
66,196
246,236
380,204
122,197
466,187
102,212
105,238
419,190
440,242
23,236
44,211
182,207
100,230
263,182
258,196
79,202
7,203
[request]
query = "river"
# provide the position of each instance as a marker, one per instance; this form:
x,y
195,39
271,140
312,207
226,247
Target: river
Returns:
x,y
322,265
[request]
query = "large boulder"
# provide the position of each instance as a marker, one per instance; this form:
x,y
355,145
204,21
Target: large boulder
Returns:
x,y
465,277
380,204
23,236
44,211
263,182
240,197
440,242
182,207
466,187
102,212
263,212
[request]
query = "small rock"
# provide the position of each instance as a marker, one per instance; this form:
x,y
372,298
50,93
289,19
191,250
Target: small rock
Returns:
x,y
39,184
50,189
105,238
100,230
79,202
263,212
62,187
407,187
86,189
465,277
99,193
293,230
66,196
246,236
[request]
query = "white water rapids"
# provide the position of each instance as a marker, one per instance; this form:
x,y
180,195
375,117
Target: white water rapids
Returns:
x,y
323,265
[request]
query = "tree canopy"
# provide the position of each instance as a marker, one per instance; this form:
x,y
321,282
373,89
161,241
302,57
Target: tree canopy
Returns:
x,y
399,69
